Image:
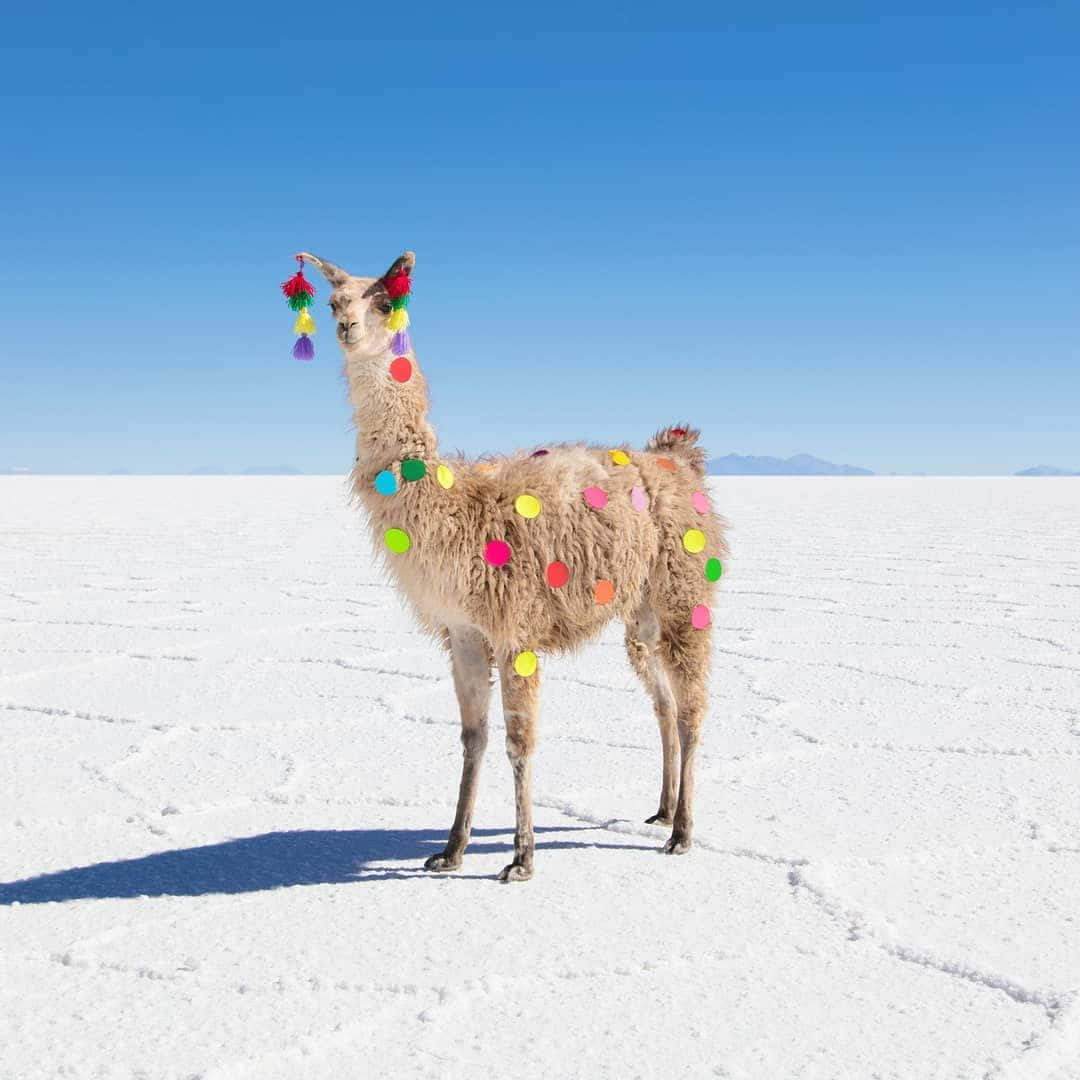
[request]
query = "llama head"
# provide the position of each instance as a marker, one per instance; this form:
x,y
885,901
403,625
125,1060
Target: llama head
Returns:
x,y
362,306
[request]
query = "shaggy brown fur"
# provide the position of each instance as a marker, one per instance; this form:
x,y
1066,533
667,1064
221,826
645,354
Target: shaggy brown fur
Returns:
x,y
487,614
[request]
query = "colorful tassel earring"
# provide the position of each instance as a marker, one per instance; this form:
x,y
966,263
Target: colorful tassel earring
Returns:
x,y
398,288
299,293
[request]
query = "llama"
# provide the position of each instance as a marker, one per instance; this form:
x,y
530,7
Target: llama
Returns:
x,y
531,554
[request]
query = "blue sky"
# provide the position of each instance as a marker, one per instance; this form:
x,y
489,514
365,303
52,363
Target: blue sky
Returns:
x,y
813,228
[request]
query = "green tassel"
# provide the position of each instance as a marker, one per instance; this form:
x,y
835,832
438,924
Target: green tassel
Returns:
x,y
400,302
300,300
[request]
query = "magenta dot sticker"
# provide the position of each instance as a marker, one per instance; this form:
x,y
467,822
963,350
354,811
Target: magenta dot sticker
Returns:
x,y
595,497
497,552
700,501
638,499
700,617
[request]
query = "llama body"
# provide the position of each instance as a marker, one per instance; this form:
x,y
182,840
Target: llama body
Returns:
x,y
630,532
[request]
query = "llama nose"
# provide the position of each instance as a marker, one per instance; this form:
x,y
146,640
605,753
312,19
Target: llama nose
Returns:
x,y
345,327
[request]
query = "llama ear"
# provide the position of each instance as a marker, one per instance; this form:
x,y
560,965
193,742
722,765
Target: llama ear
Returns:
x,y
333,274
402,264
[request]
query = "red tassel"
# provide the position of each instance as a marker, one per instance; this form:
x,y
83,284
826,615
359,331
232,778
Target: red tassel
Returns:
x,y
398,285
297,283
679,432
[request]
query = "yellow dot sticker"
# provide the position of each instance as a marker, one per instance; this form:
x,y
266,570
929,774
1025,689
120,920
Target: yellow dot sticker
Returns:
x,y
398,540
528,506
693,540
620,457
445,475
525,663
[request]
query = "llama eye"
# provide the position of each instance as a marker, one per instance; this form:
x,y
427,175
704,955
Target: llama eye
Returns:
x,y
386,307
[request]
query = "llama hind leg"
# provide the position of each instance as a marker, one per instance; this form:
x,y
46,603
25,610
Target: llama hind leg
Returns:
x,y
642,640
521,705
471,665
687,654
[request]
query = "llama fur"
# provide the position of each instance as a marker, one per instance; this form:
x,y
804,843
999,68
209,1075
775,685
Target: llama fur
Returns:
x,y
486,615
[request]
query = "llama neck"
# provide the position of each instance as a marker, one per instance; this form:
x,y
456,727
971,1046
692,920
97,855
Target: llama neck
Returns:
x,y
390,414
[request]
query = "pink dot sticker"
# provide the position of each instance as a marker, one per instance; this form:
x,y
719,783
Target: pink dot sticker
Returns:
x,y
700,502
595,497
497,552
700,617
638,499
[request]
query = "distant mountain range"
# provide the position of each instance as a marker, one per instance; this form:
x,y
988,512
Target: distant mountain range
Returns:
x,y
1047,470
251,470
799,465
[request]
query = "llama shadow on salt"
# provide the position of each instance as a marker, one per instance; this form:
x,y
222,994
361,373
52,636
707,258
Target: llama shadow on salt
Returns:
x,y
272,861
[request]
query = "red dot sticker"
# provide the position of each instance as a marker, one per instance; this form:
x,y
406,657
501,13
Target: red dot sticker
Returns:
x,y
401,369
666,463
595,497
497,552
558,574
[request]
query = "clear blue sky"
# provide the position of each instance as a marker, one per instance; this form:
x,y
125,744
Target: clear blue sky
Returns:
x,y
804,227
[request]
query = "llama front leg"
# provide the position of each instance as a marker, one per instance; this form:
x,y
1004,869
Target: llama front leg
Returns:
x,y
471,665
521,705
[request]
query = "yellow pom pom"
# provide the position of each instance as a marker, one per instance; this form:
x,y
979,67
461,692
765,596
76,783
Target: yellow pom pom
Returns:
x,y
398,320
304,324
693,540
528,506
525,663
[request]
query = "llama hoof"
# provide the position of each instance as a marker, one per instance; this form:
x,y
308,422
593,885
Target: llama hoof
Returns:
x,y
659,819
515,872
442,862
679,844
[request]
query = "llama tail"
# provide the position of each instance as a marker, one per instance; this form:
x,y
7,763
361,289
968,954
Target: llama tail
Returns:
x,y
682,442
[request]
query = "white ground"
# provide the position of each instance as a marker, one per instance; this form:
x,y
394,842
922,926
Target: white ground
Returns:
x,y
226,753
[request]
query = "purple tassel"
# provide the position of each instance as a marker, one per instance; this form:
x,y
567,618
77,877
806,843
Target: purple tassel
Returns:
x,y
303,349
400,344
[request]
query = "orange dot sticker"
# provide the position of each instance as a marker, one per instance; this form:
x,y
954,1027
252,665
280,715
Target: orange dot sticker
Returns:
x,y
558,574
401,369
619,457
665,463
604,592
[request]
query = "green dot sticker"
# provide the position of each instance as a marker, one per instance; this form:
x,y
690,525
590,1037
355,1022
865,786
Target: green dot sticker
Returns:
x,y
413,469
398,540
713,569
